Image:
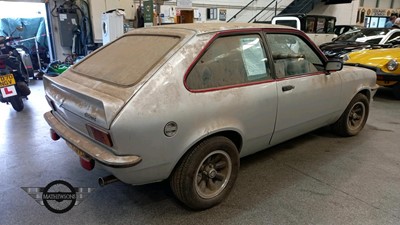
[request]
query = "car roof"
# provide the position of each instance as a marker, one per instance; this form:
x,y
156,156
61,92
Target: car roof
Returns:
x,y
345,25
375,28
215,27
303,15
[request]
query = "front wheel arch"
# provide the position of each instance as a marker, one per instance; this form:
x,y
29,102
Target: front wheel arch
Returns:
x,y
354,117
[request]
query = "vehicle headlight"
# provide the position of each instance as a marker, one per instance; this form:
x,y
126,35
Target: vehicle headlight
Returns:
x,y
345,57
392,65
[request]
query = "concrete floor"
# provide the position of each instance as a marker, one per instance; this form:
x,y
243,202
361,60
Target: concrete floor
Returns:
x,y
317,178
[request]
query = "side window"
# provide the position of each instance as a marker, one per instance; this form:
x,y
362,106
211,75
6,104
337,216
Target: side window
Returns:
x,y
330,26
394,37
292,56
290,23
374,41
230,61
310,25
321,25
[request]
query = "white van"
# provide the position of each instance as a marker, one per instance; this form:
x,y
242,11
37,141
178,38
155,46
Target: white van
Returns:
x,y
319,28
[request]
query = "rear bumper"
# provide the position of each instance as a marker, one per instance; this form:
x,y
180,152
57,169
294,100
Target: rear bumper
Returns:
x,y
82,145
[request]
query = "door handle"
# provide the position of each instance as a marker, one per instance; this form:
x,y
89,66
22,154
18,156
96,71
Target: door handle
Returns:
x,y
287,88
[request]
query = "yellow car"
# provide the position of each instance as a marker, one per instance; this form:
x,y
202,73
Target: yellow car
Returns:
x,y
385,62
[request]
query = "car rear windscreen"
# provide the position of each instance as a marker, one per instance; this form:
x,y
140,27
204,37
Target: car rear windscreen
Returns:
x,y
127,60
290,23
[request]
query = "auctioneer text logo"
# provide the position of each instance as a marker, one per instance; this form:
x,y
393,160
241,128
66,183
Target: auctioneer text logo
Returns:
x,y
59,196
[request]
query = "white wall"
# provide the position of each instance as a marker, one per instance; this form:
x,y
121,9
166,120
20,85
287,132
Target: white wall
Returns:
x,y
25,10
231,6
60,52
384,4
396,4
345,13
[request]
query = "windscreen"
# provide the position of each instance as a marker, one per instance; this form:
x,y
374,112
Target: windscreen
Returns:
x,y
290,23
127,60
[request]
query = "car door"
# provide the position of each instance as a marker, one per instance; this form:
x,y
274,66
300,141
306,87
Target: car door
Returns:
x,y
307,97
232,79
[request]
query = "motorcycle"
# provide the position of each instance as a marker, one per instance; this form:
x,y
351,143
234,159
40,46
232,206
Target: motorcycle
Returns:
x,y
24,53
14,81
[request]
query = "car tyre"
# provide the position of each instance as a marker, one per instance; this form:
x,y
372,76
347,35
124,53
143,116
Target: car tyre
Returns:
x,y
353,119
205,175
396,91
17,103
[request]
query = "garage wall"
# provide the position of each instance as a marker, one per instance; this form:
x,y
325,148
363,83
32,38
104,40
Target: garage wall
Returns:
x,y
338,10
385,4
396,4
98,7
60,52
233,6
39,1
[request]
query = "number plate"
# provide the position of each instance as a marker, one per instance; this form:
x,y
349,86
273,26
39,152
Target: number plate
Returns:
x,y
78,151
7,80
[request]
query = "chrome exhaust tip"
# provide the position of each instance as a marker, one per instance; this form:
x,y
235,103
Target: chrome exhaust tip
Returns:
x,y
103,181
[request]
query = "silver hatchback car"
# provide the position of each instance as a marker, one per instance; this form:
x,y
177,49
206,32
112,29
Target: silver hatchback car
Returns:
x,y
185,102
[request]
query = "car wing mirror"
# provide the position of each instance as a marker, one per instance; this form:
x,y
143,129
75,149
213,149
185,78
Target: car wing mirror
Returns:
x,y
333,65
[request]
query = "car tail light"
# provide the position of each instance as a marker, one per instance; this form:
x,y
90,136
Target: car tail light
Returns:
x,y
51,103
54,135
99,135
2,64
87,163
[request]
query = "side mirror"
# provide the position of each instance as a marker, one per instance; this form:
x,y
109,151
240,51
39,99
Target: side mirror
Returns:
x,y
333,65
20,28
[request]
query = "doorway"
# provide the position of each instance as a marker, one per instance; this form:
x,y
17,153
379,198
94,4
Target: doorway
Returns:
x,y
186,16
35,35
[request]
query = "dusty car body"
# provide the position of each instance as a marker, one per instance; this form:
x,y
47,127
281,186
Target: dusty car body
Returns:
x,y
197,98
385,62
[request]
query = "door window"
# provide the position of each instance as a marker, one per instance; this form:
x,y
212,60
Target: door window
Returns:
x,y
321,25
331,26
394,37
310,25
292,56
230,61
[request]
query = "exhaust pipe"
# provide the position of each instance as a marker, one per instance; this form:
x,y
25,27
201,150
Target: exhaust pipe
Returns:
x,y
103,181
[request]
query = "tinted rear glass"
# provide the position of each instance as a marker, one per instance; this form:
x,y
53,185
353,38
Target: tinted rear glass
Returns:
x,y
290,23
127,60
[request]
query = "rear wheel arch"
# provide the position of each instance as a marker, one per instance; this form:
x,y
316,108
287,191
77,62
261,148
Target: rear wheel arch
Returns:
x,y
234,136
206,173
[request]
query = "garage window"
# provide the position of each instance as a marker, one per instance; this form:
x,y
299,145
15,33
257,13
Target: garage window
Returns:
x,y
230,61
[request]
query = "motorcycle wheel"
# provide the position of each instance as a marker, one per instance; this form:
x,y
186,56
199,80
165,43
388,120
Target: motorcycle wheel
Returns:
x,y
17,103
23,88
